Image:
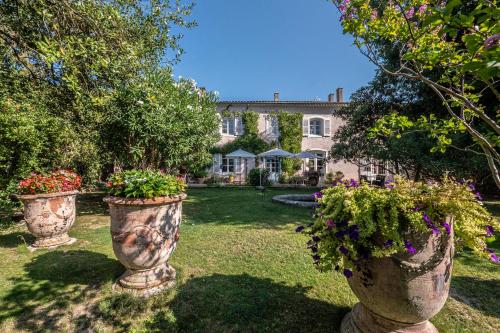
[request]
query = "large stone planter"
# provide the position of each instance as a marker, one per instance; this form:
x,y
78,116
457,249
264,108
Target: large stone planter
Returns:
x,y
145,233
49,218
401,293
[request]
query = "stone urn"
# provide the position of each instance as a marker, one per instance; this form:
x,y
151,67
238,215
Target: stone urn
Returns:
x,y
49,218
402,292
144,234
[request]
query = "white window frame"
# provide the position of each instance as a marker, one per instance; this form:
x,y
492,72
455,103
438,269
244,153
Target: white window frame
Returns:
x,y
319,125
272,164
227,163
234,123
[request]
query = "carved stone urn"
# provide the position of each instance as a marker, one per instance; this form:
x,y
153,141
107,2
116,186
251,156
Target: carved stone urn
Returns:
x,y
402,292
144,234
49,218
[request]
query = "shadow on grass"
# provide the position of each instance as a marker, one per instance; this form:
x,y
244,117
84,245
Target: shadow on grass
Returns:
x,y
246,206
243,303
91,204
15,239
480,294
52,282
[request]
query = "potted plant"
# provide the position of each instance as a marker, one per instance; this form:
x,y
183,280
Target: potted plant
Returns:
x,y
146,209
395,246
49,206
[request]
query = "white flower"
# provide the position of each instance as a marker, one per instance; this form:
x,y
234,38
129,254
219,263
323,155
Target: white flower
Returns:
x,y
140,102
190,107
216,93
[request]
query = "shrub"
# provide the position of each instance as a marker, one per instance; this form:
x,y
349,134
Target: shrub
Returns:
x,y
55,181
144,184
356,222
254,177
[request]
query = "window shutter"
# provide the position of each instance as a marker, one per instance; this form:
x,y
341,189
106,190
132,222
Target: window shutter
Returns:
x,y
238,125
326,127
305,127
217,163
220,122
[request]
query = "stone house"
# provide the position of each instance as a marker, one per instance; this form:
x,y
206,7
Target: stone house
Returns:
x,y
318,127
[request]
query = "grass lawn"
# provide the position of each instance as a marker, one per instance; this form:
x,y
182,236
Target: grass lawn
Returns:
x,y
241,268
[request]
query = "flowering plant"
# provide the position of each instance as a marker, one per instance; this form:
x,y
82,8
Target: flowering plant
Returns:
x,y
55,181
356,222
144,184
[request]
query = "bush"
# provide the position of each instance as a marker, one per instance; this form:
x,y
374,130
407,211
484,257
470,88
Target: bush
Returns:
x,y
357,222
254,177
55,181
144,184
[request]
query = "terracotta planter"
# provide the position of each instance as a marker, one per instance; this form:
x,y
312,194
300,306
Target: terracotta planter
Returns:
x,y
49,218
145,233
401,293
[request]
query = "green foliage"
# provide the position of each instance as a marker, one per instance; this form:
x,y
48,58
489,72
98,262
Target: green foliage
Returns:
x,y
458,41
251,143
250,122
290,129
257,177
156,122
144,184
358,222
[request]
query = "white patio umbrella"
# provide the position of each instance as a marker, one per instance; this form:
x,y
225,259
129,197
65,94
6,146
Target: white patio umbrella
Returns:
x,y
241,154
277,154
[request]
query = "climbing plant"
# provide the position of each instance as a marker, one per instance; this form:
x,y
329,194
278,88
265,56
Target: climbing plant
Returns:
x,y
290,128
250,140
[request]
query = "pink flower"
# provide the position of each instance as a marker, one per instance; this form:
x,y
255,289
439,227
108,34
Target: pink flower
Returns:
x,y
410,12
374,15
422,9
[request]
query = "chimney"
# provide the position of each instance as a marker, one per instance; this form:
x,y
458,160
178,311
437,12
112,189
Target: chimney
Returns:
x,y
276,96
340,95
331,98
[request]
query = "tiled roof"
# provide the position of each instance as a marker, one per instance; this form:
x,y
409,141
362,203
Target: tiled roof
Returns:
x,y
298,103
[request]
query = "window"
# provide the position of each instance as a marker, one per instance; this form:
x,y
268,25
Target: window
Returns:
x,y
319,163
228,126
272,126
227,164
272,165
315,127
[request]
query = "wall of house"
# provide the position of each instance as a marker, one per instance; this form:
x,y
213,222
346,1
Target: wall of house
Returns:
x,y
310,142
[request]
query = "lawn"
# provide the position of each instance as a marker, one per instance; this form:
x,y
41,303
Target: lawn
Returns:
x,y
241,268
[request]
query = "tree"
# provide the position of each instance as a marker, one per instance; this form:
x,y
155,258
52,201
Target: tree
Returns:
x,y
409,155
156,122
459,40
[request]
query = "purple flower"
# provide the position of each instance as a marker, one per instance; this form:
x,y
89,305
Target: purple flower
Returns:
x,y
389,185
316,238
353,232
340,234
472,186
353,183
494,258
426,218
342,224
489,231
314,249
410,247
478,196
446,227
330,224
491,41
422,9
343,250
435,230
347,273
299,228
317,195
388,243
410,12
316,257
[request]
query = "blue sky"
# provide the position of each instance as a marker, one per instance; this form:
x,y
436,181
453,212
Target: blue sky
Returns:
x,y
249,49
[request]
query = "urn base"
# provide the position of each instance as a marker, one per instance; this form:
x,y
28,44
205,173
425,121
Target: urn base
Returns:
x,y
362,320
51,242
146,283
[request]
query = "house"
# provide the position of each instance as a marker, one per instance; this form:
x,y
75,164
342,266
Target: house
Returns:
x,y
318,126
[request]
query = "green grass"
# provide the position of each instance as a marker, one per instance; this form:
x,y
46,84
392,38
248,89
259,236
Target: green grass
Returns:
x,y
241,268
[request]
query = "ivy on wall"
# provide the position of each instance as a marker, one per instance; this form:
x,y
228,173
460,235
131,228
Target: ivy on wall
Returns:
x,y
290,128
250,140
